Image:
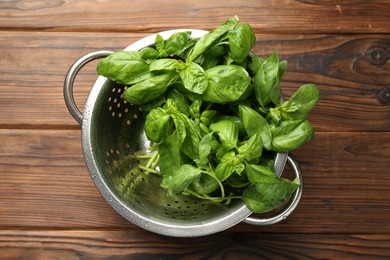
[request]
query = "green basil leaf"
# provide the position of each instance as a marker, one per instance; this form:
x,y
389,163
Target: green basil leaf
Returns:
x,y
194,78
177,42
254,63
265,196
158,125
227,132
179,99
175,182
267,80
148,54
149,89
211,38
237,120
241,40
204,185
166,64
299,105
259,173
180,127
282,68
124,67
207,116
170,154
226,83
252,148
204,150
229,164
189,135
290,136
254,123
194,108
187,49
160,46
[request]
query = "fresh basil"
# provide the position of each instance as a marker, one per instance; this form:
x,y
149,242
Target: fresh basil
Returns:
x,y
158,125
149,89
211,38
241,40
227,132
124,67
292,134
254,123
226,83
213,114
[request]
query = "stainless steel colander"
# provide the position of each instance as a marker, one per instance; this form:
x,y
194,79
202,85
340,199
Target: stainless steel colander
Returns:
x,y
112,132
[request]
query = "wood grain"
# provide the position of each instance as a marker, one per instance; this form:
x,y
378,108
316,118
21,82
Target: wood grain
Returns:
x,y
352,71
44,183
49,206
283,16
79,244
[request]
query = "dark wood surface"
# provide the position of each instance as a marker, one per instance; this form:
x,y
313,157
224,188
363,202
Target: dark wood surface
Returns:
x,y
49,207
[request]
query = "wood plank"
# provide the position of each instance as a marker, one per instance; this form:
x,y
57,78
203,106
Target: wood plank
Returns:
x,y
352,72
44,183
76,244
283,16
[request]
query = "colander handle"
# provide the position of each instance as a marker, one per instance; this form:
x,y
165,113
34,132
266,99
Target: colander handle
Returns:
x,y
71,76
293,204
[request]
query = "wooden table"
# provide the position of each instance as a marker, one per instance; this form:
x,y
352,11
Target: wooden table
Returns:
x,y
49,206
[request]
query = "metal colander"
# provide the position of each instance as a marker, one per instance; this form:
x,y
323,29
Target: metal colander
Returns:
x,y
113,132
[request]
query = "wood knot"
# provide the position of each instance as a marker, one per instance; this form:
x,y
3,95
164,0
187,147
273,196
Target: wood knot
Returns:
x,y
383,96
378,55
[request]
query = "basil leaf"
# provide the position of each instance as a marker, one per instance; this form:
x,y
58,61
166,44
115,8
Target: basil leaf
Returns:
x,y
187,49
267,81
254,63
237,120
209,39
194,108
189,135
271,194
204,185
160,46
259,173
226,83
176,181
158,125
207,116
241,40
227,132
149,89
124,67
290,135
166,64
148,54
229,164
204,150
179,99
254,123
299,105
177,42
252,148
194,78
170,154
282,68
